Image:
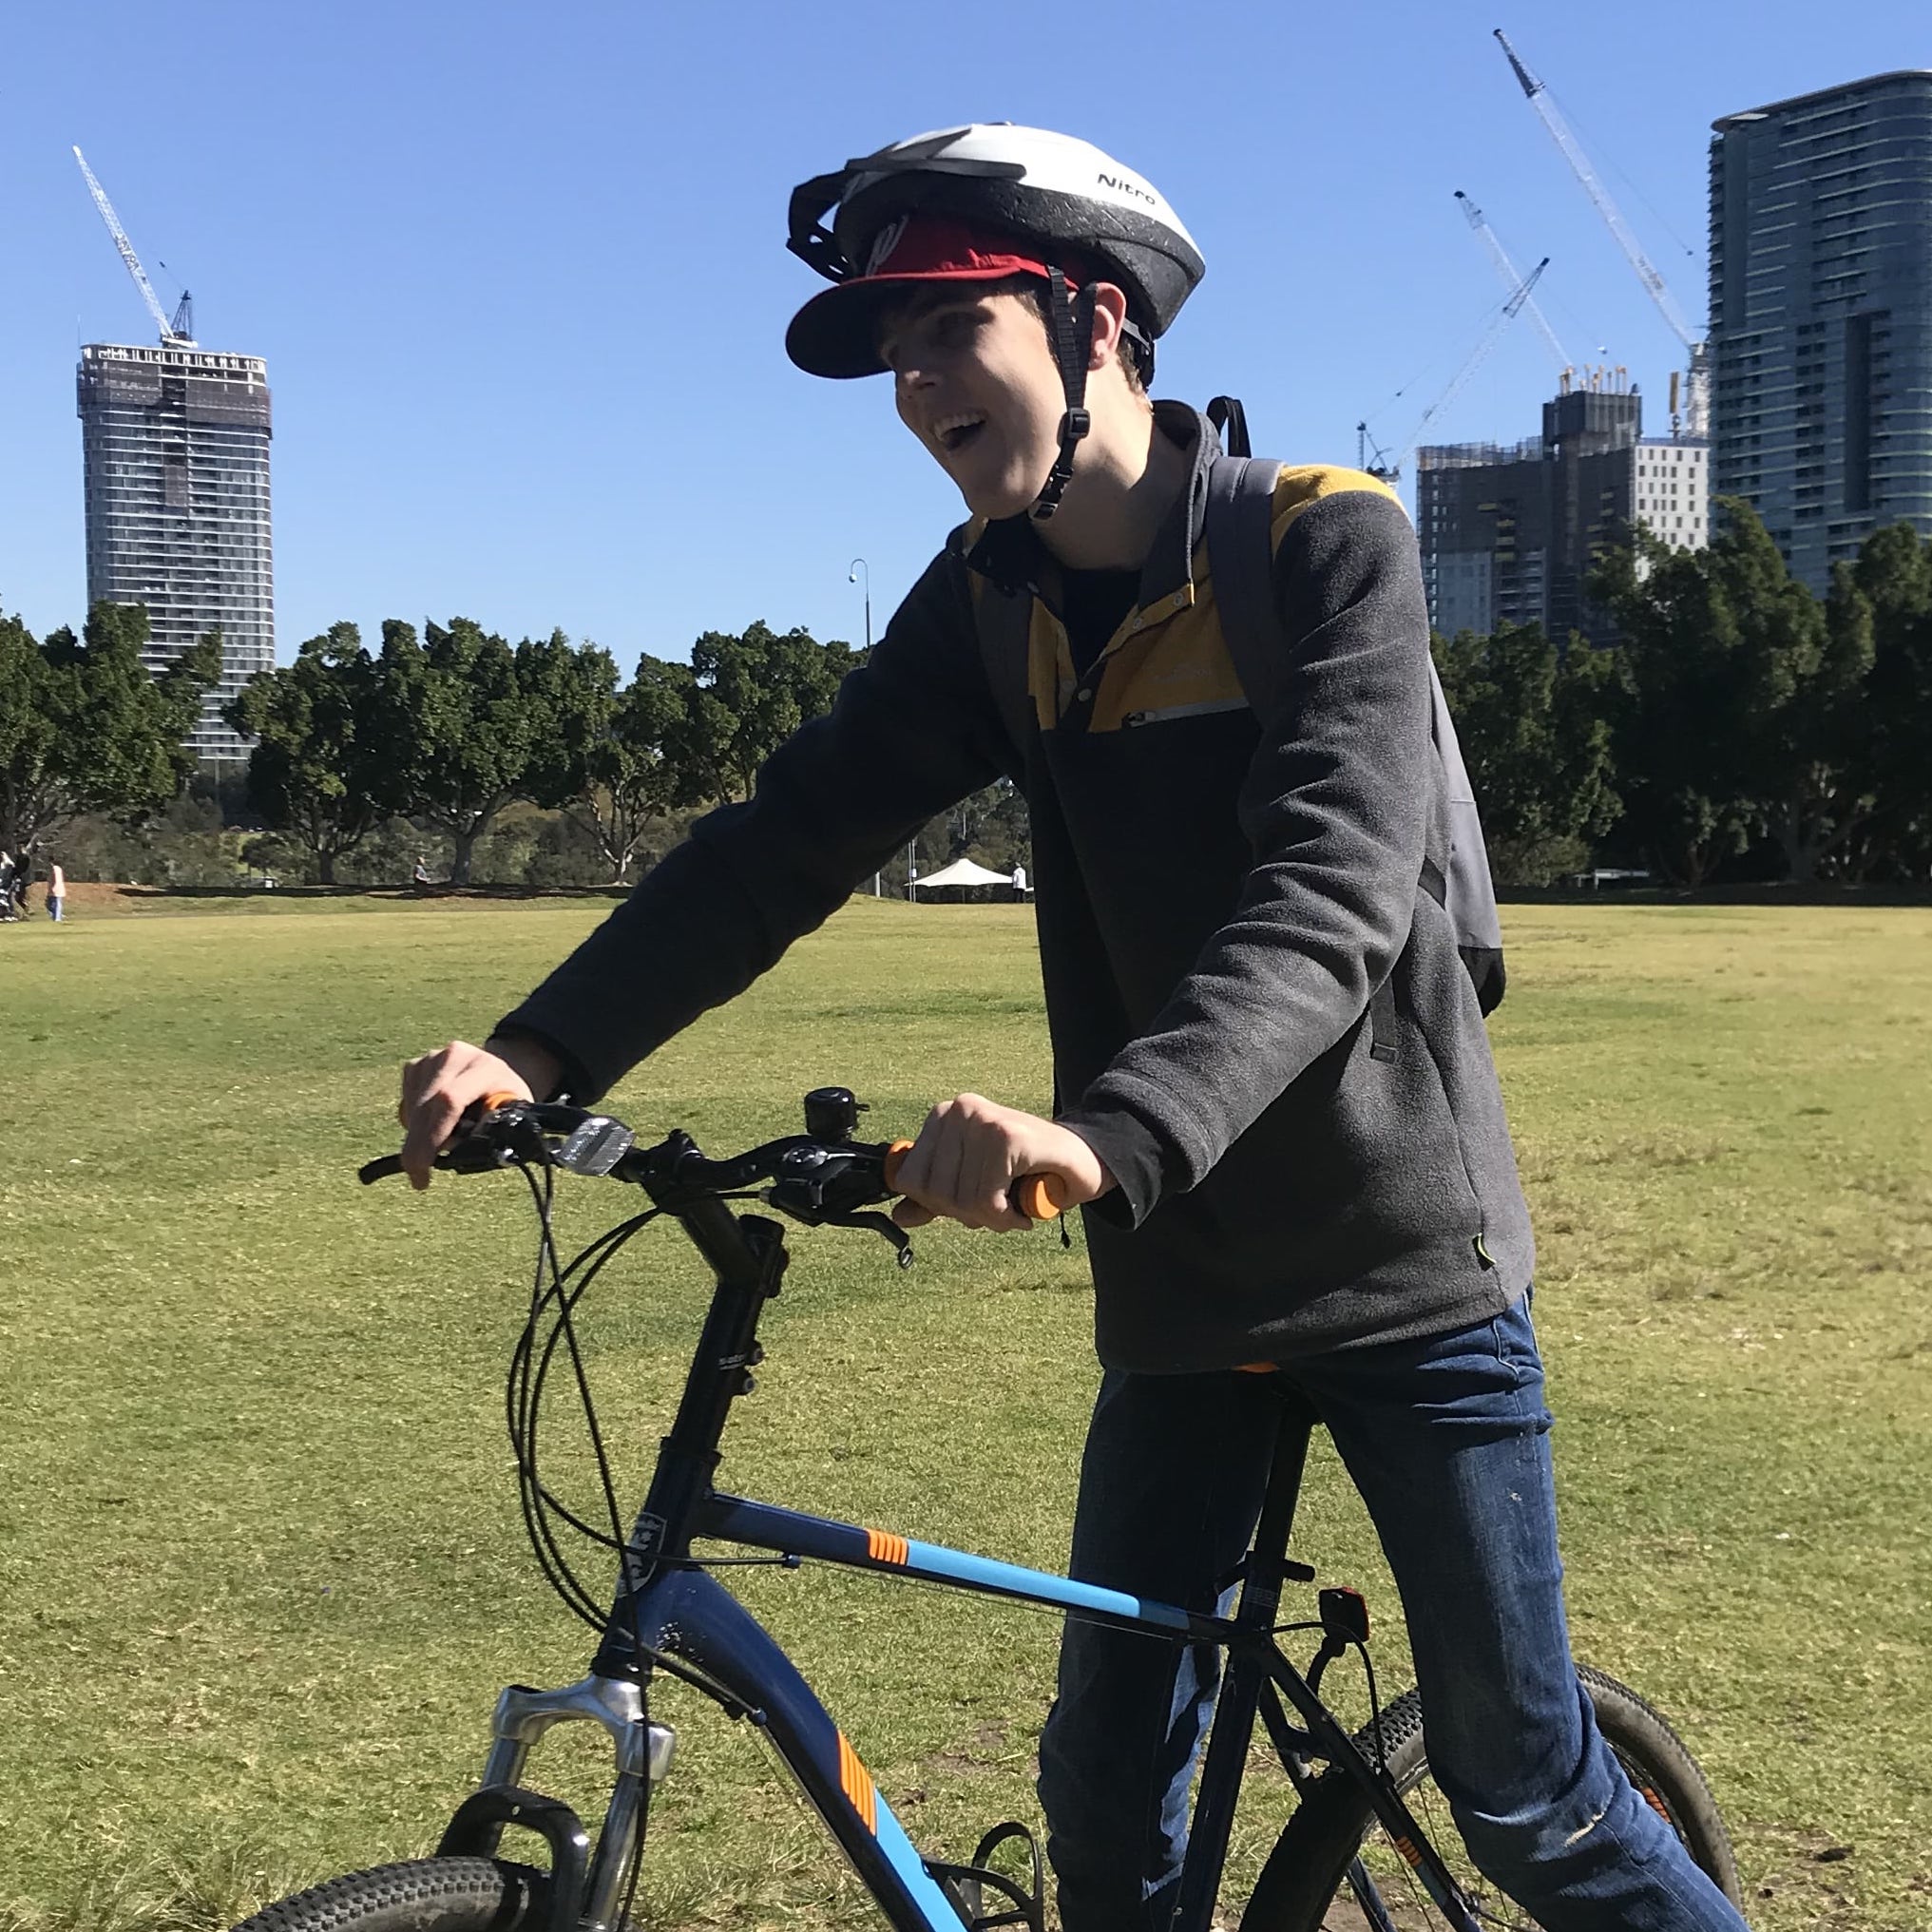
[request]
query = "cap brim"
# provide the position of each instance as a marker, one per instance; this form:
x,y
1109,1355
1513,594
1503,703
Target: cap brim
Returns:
x,y
837,332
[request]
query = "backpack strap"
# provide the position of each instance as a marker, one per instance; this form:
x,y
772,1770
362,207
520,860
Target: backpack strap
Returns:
x,y
1230,424
1240,524
1478,927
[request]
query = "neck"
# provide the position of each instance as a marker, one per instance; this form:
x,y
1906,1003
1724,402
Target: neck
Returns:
x,y
1126,476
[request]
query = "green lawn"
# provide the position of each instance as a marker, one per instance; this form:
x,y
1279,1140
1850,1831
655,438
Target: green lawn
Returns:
x,y
261,1569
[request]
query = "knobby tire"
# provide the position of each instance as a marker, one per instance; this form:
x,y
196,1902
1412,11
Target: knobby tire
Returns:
x,y
1304,1886
425,1895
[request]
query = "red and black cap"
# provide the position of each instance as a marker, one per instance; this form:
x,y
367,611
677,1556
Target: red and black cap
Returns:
x,y
837,332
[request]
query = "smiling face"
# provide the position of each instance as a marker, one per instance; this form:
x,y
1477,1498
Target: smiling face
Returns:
x,y
974,379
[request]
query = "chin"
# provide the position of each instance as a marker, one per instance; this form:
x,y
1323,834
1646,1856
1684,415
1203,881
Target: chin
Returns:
x,y
997,501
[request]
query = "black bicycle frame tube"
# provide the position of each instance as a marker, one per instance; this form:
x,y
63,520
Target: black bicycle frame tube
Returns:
x,y
1227,1753
747,1255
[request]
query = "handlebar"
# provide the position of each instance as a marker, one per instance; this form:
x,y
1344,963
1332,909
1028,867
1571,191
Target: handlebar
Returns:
x,y
821,1175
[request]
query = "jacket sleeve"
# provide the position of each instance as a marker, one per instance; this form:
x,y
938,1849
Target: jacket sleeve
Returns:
x,y
912,732
1335,809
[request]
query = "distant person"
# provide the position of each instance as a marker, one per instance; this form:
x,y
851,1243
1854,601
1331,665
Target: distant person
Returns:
x,y
6,887
421,876
1019,884
22,873
56,890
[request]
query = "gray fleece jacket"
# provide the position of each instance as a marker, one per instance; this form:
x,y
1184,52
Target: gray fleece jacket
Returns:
x,y
1216,901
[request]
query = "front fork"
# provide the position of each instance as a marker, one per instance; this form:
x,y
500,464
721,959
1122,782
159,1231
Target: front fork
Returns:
x,y
643,1756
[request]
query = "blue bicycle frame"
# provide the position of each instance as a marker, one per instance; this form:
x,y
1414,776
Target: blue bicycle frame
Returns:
x,y
671,1612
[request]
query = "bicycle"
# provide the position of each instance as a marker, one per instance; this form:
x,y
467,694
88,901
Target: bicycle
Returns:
x,y
1353,1851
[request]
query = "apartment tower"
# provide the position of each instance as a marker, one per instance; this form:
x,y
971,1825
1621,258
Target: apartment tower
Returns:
x,y
1821,315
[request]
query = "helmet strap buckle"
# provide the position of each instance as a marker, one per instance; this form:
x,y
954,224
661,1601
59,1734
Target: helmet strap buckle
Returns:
x,y
1072,333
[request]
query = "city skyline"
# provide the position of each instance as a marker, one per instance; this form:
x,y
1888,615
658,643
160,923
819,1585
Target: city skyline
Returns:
x,y
527,353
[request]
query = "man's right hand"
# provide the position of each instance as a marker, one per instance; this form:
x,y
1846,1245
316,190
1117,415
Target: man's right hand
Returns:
x,y
439,1088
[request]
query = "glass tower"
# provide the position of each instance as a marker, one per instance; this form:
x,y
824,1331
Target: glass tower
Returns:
x,y
1821,315
176,447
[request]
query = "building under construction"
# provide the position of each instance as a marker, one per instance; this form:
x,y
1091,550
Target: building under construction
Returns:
x,y
1509,531
175,441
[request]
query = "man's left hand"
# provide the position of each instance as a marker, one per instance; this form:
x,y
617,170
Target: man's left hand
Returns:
x,y
970,1152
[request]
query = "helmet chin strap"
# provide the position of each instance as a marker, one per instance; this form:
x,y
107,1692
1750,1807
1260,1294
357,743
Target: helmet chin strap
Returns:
x,y
1072,333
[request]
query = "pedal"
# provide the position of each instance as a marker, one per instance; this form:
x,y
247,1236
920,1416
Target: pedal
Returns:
x,y
1015,1901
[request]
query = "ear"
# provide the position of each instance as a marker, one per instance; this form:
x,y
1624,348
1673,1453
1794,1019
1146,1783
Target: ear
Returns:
x,y
1110,311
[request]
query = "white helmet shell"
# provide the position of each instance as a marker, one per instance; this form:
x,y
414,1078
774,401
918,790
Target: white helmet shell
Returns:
x,y
1077,203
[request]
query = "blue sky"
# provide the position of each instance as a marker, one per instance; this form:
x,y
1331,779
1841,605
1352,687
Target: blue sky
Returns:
x,y
519,277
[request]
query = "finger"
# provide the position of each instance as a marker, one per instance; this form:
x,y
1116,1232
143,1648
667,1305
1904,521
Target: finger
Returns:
x,y
988,1177
945,1179
412,1081
430,1123
918,1178
909,1213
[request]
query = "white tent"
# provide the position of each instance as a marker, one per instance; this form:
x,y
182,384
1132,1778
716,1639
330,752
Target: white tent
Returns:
x,y
962,872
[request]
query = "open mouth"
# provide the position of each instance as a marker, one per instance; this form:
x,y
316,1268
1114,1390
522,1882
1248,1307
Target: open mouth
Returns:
x,y
953,433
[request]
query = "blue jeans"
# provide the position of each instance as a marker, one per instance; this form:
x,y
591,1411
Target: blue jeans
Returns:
x,y
1446,1441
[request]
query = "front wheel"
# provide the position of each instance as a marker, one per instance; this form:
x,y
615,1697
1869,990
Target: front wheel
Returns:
x,y
1304,1886
426,1895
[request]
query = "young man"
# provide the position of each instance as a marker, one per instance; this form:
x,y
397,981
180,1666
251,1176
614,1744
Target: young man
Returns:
x,y
1269,1176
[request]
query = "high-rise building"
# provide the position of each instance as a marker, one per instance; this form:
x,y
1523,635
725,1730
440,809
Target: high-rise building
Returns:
x,y
176,443
1821,315
1509,531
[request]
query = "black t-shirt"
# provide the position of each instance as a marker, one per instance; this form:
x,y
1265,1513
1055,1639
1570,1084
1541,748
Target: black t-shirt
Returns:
x,y
1095,601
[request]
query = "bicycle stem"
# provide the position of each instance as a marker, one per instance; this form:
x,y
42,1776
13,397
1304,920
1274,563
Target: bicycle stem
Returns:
x,y
747,1255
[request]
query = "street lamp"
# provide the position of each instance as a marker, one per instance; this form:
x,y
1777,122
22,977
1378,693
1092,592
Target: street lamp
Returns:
x,y
851,576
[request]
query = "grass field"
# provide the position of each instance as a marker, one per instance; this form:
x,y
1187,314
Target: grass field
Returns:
x,y
261,1569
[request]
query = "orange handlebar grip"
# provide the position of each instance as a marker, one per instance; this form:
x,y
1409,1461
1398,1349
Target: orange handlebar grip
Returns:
x,y
1039,1197
894,1155
502,1097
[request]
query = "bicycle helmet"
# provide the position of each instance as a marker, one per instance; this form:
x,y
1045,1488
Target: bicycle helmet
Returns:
x,y
980,204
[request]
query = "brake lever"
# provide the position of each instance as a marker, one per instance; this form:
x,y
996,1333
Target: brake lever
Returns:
x,y
804,1201
472,1154
878,1223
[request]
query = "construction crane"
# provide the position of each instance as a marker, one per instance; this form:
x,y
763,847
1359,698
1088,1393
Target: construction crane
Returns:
x,y
175,334
1512,275
1391,473
1696,387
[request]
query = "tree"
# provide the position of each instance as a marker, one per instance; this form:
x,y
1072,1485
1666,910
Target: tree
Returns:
x,y
1535,727
1894,575
1820,740
1719,644
456,729
316,772
747,696
631,780
569,695
84,727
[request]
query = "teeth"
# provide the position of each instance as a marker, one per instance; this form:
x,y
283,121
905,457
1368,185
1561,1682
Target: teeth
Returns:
x,y
946,425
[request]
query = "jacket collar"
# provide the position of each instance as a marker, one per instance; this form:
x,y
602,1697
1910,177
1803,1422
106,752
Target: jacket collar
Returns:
x,y
1010,555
